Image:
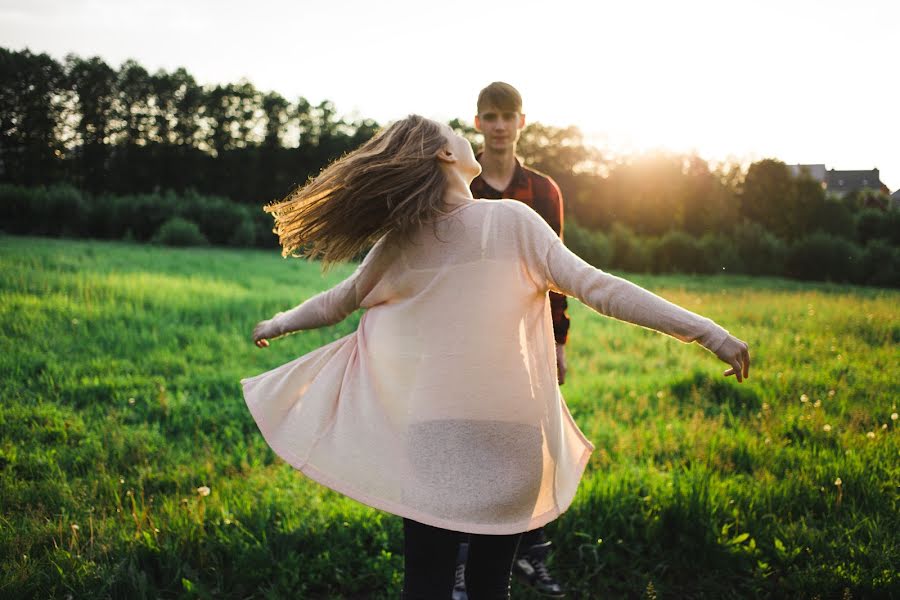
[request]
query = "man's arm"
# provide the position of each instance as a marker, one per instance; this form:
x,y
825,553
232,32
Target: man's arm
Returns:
x,y
552,211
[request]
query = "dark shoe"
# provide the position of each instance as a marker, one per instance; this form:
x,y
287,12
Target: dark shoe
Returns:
x,y
529,567
459,584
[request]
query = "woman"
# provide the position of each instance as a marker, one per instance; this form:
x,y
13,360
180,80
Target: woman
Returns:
x,y
442,407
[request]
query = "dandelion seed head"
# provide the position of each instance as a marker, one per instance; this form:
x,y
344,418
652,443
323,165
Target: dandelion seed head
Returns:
x,y
121,480
826,427
131,401
884,425
75,527
894,416
838,481
830,393
804,398
871,435
817,403
765,406
203,490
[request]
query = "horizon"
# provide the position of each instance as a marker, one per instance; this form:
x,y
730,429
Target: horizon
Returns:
x,y
805,84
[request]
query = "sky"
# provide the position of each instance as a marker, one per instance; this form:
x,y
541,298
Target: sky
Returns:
x,y
799,80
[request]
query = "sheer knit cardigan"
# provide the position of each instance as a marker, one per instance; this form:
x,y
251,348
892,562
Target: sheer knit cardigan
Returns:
x,y
443,406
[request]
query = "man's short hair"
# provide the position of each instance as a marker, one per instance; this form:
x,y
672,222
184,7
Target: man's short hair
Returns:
x,y
500,95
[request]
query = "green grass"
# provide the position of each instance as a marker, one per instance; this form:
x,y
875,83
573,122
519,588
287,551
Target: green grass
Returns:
x,y
120,392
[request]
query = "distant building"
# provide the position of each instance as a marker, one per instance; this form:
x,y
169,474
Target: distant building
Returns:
x,y
841,183
895,199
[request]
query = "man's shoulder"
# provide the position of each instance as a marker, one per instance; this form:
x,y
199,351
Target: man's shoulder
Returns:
x,y
536,175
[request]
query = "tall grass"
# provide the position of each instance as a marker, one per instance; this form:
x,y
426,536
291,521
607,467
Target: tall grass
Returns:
x,y
130,467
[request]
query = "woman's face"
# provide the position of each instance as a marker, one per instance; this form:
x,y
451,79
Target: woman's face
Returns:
x,y
460,147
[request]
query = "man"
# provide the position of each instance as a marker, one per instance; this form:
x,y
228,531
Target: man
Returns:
x,y
500,120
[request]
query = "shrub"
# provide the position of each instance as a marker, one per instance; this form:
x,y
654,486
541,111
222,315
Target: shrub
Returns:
x,y
874,223
245,234
678,252
758,251
592,246
720,254
880,264
58,210
143,214
16,208
179,232
824,257
629,253
218,218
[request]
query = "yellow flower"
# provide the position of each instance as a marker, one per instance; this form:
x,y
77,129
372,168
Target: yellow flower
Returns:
x,y
203,490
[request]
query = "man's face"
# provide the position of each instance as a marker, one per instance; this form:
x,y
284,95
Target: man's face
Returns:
x,y
500,128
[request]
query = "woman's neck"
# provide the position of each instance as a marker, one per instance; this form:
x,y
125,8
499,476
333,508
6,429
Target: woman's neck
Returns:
x,y
457,191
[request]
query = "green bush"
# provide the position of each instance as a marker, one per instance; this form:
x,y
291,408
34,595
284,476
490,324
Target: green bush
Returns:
x,y
16,203
720,254
629,252
678,252
58,210
758,251
875,223
244,235
179,232
821,257
880,264
218,218
592,246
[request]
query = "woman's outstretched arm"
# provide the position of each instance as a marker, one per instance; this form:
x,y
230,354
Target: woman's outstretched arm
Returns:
x,y
325,308
615,297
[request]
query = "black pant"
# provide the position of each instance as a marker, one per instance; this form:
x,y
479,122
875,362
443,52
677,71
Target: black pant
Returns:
x,y
430,562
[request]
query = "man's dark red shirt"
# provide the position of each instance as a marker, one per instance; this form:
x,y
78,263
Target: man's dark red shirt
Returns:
x,y
542,194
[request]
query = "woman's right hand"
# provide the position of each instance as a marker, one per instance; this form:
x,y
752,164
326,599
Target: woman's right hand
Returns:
x,y
262,331
735,353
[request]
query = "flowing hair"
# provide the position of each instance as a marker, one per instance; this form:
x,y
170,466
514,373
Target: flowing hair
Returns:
x,y
391,184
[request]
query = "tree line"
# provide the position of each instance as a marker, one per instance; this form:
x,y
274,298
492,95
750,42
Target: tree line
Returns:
x,y
128,133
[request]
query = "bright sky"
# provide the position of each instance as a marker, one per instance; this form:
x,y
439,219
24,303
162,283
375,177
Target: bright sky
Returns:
x,y
809,81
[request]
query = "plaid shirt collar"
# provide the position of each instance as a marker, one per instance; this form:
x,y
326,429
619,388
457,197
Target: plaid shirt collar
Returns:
x,y
519,178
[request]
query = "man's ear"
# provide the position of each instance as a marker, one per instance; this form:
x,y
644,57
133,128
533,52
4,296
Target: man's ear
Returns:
x,y
521,121
445,155
477,124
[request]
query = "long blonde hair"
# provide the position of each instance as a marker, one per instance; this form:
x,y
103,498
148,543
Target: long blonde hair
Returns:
x,y
391,184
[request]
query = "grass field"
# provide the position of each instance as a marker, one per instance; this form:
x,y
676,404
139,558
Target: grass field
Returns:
x,y
131,468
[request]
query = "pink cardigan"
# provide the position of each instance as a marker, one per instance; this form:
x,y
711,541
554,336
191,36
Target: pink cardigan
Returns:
x,y
443,406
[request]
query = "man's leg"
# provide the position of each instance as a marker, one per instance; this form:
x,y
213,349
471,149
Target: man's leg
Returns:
x,y
530,565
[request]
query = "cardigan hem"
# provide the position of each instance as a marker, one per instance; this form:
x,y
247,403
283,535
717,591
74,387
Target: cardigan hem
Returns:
x,y
401,510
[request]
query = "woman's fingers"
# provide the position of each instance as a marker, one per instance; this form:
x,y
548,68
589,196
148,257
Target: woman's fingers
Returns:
x,y
745,354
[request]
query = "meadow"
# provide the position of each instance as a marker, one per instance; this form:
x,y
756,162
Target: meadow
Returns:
x,y
131,468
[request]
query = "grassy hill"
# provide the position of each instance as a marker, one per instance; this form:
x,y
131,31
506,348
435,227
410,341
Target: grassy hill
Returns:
x,y
121,408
